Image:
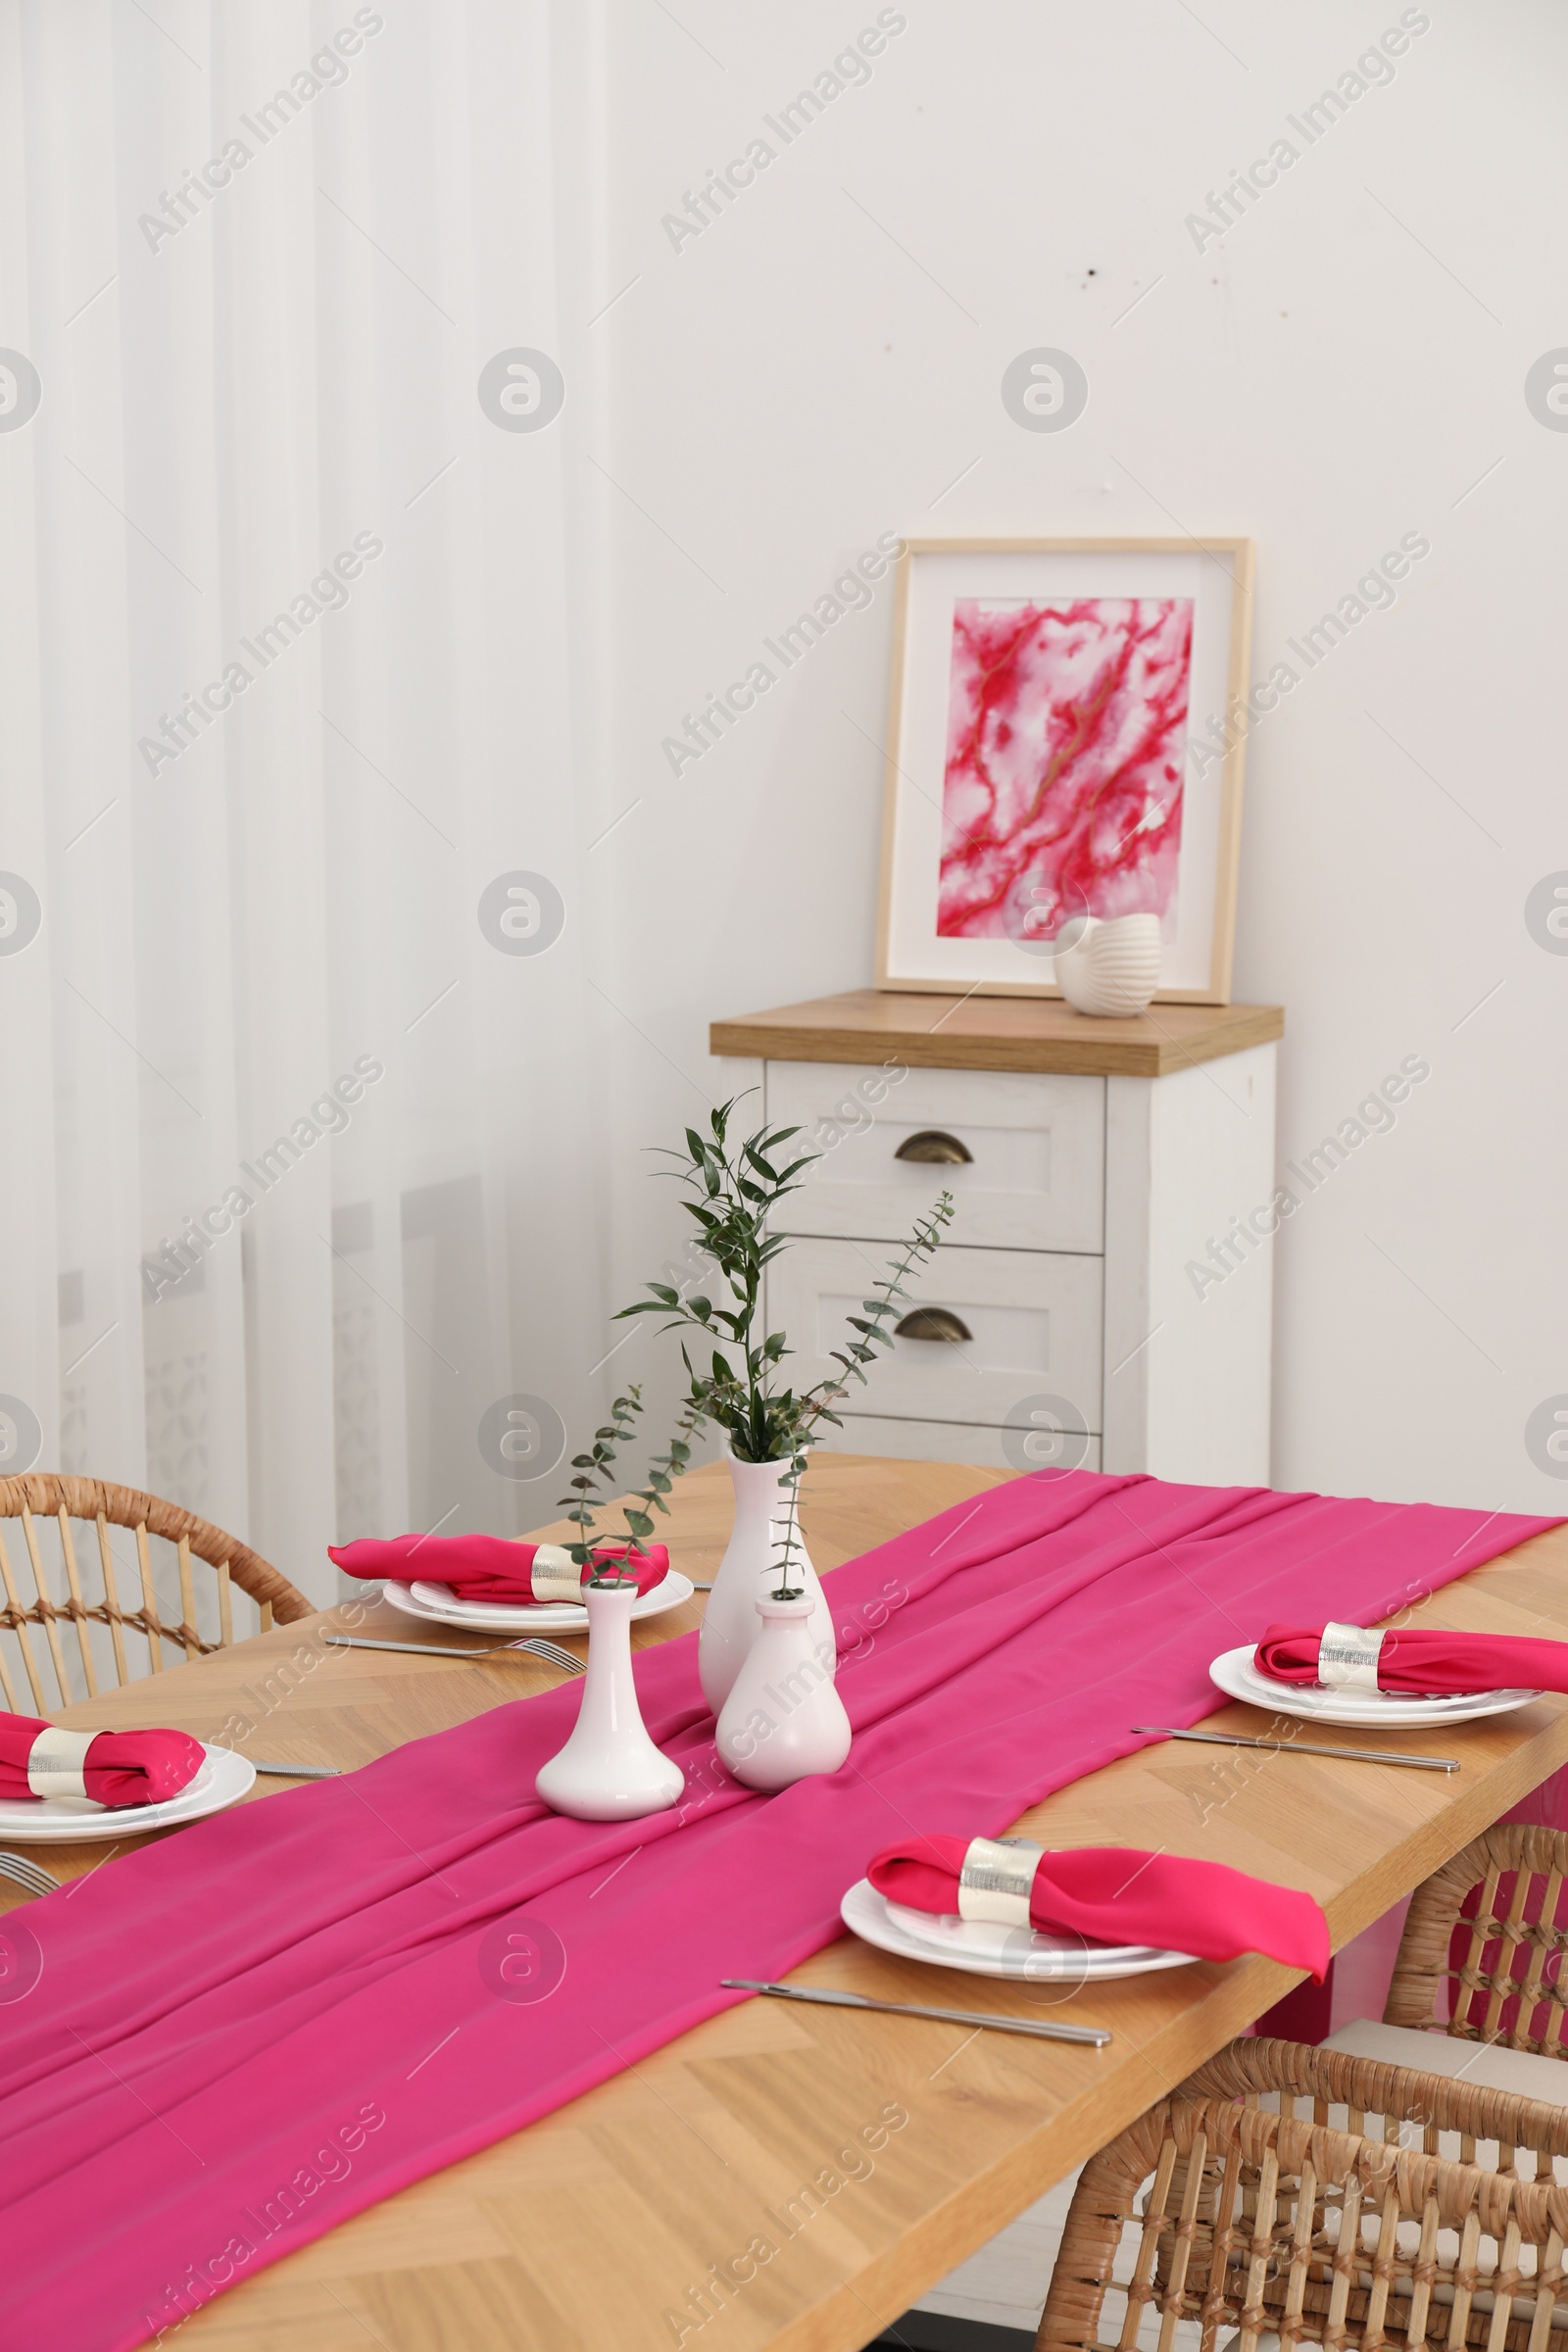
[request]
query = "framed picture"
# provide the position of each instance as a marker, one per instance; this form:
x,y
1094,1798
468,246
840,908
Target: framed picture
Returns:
x,y
1059,744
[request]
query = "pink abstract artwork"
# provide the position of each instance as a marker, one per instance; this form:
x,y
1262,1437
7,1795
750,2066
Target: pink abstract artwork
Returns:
x,y
1067,740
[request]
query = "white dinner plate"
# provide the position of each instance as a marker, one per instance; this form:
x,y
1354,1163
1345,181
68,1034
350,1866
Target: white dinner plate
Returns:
x,y
221,1781
435,1604
1356,1709
989,1940
1029,1958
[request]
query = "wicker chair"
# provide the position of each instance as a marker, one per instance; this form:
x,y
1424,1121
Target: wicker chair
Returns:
x,y
1506,1985
42,1495
1278,2224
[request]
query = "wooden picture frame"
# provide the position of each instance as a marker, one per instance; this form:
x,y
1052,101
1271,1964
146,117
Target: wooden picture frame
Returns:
x,y
1211,579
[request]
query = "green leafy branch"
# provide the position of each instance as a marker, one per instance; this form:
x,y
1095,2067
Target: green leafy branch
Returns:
x,y
735,1191
662,1472
853,1358
587,1496
593,1472
857,1354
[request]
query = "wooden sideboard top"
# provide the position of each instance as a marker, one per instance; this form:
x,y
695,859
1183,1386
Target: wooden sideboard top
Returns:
x,y
997,1033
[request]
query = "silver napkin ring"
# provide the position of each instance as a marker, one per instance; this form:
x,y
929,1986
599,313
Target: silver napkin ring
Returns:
x,y
55,1764
1347,1657
996,1879
555,1574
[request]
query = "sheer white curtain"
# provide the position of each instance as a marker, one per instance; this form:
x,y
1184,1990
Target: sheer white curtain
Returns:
x,y
297,1188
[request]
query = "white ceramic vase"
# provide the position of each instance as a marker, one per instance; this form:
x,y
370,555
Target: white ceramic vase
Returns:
x,y
1110,967
610,1770
749,1567
783,1719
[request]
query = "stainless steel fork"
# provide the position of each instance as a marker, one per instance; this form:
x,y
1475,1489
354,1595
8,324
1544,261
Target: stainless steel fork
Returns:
x,y
551,1652
31,1875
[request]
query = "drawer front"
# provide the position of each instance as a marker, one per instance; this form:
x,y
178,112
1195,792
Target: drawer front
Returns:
x,y
951,1442
1034,1320
1034,1180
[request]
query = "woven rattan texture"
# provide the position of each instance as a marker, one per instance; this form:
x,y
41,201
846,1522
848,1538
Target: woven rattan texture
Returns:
x,y
1280,2225
1483,1945
30,1609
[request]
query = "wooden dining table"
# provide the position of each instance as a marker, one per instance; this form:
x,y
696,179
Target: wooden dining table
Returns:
x,y
872,2153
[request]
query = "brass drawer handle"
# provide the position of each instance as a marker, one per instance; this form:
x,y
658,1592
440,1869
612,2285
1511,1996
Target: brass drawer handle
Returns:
x,y
931,1145
933,1323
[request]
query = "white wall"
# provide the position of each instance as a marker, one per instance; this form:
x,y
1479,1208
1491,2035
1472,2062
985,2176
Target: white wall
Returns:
x,y
1341,369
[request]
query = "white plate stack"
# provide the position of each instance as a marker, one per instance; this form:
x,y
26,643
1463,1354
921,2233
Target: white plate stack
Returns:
x,y
1356,1709
1019,1956
220,1780
438,1604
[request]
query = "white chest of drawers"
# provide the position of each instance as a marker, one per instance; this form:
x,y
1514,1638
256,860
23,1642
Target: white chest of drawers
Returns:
x,y
1100,1298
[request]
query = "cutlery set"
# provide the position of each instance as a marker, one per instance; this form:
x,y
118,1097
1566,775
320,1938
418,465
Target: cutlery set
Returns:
x,y
1050,2029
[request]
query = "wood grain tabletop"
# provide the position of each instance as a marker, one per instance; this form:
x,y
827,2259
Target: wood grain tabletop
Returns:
x,y
829,2166
996,1033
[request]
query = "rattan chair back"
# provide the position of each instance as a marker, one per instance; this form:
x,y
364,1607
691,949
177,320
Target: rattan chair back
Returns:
x,y
1483,1945
49,1608
1428,2214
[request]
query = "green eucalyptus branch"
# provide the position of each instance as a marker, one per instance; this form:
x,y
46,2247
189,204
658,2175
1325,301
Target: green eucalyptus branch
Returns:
x,y
790,1484
734,1191
662,1472
856,1354
593,1468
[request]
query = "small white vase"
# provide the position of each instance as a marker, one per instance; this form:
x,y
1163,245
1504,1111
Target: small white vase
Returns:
x,y
783,1720
750,1566
1110,967
610,1770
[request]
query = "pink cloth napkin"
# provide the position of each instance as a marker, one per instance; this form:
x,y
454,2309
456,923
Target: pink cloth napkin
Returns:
x,y
1426,1660
486,1567
454,1959
1118,1894
121,1768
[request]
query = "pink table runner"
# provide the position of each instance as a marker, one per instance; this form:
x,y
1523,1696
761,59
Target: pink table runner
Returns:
x,y
241,2036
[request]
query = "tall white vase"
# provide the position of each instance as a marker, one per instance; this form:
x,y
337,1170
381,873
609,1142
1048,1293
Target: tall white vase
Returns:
x,y
610,1770
783,1719
749,1569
